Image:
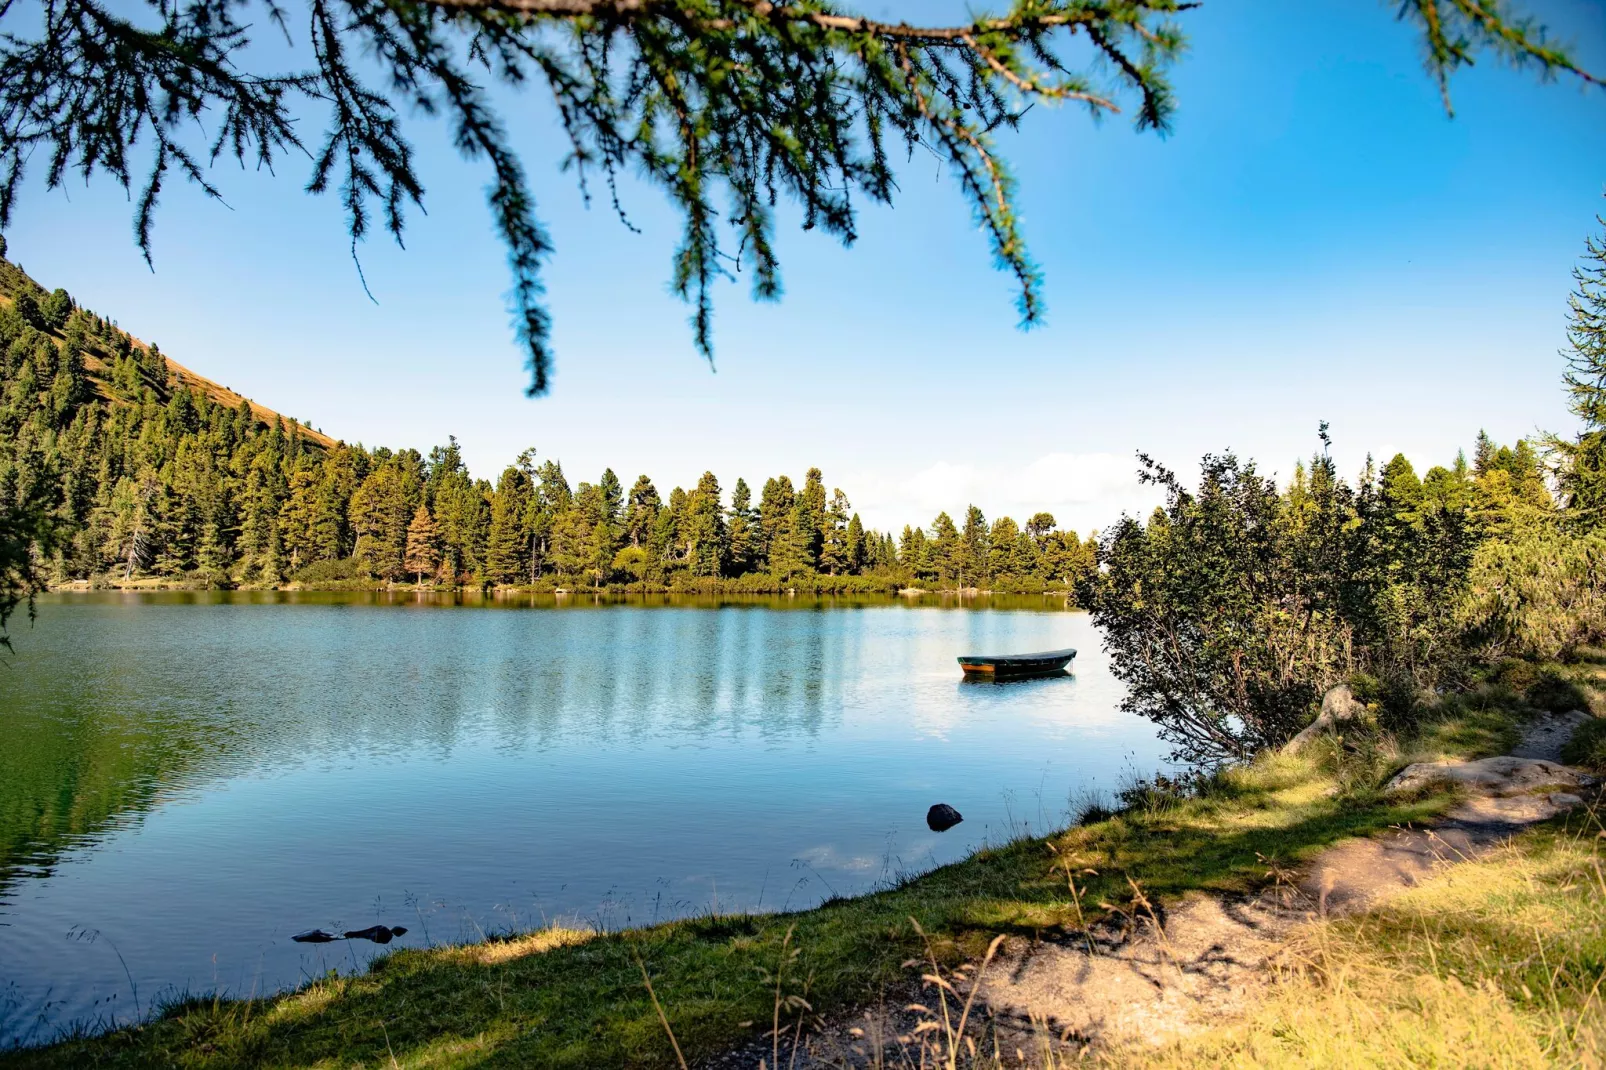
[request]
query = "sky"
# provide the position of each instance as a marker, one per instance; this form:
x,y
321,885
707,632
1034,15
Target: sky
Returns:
x,y
1315,241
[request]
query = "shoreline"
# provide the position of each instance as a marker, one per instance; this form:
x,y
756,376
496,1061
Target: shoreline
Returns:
x,y
816,586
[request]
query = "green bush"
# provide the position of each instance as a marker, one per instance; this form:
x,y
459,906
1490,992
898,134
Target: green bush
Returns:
x,y
1554,692
344,570
1540,593
1514,675
1588,746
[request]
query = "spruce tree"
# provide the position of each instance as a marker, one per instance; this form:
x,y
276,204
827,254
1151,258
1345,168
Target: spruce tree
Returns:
x,y
741,526
1582,469
506,541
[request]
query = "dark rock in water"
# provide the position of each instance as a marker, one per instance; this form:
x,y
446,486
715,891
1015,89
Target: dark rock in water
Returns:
x,y
379,934
314,936
942,817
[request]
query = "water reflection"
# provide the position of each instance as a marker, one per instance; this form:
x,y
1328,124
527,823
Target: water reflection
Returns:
x,y
196,777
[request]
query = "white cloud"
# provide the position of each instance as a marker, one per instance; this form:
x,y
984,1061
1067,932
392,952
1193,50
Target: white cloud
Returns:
x,y
1083,490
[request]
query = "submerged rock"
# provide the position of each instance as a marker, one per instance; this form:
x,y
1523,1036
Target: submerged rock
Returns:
x,y
379,934
314,936
942,817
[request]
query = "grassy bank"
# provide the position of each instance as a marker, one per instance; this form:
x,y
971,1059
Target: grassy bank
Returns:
x,y
1496,962
571,999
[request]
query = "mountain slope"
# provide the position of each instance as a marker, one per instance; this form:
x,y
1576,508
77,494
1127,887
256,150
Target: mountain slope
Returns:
x,y
98,360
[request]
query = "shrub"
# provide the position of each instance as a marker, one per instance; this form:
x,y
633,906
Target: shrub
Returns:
x,y
1588,746
1554,692
1540,594
1514,675
344,570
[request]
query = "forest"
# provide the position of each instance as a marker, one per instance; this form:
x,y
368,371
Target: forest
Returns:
x,y
152,477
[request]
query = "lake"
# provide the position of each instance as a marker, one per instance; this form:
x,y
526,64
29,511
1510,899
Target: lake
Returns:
x,y
186,780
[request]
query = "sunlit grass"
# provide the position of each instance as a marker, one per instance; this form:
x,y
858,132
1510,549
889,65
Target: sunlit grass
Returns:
x,y
1497,962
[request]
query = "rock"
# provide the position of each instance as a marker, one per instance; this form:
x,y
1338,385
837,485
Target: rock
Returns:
x,y
1338,706
379,934
1565,800
942,817
314,936
1503,776
1546,735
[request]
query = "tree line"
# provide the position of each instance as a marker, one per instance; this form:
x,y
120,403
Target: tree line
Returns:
x,y
148,477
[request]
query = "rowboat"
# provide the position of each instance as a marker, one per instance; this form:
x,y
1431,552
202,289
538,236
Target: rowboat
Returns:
x,y
999,666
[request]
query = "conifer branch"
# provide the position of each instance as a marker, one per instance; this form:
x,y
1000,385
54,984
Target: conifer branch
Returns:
x,y
727,106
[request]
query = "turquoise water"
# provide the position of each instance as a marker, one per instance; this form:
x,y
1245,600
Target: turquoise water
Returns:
x,y
187,780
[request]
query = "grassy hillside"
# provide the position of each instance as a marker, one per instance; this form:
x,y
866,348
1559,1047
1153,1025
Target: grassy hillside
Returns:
x,y
99,359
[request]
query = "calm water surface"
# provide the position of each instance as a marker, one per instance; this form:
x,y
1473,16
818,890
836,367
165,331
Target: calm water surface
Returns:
x,y
187,780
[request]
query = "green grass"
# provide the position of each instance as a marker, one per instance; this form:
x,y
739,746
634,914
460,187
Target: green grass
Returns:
x,y
565,999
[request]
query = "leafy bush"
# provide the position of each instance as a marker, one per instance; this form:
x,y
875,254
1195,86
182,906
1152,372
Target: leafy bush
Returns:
x,y
1217,639
1514,675
1588,746
1556,693
343,570
1539,594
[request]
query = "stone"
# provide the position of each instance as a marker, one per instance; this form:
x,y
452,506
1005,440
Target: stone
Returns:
x,y
1565,800
1505,775
379,934
1339,705
942,817
314,936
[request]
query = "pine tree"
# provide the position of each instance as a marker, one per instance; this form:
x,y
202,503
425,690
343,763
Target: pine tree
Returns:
x,y
507,544
860,549
943,551
1039,526
834,556
704,531
422,556
742,531
972,557
774,523
1582,468
642,512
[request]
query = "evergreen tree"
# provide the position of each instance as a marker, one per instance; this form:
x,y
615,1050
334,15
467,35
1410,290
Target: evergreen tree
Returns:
x,y
971,558
55,309
775,507
1582,467
742,529
808,522
835,556
944,552
642,512
507,544
703,529
422,556
612,494
860,549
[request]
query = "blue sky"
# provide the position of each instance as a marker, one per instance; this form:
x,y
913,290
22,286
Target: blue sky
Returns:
x,y
1315,241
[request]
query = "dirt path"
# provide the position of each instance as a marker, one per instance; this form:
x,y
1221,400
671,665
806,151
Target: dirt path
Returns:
x,y
1165,973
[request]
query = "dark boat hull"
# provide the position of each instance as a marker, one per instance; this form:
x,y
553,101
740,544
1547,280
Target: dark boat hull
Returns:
x,y
1009,666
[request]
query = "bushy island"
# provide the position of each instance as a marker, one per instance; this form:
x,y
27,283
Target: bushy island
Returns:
x,y
1456,605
